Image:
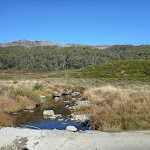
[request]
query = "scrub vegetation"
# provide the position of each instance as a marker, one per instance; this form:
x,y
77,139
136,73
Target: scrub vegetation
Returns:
x,y
135,70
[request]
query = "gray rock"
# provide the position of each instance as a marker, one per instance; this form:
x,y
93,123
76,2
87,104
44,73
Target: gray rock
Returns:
x,y
48,112
56,94
71,128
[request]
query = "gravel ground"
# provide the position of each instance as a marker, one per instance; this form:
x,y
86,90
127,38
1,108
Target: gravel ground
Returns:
x,y
29,139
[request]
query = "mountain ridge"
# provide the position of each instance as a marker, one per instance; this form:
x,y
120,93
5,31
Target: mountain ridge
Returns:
x,y
30,44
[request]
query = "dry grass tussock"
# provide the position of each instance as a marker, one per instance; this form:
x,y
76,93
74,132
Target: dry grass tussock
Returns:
x,y
13,100
16,103
6,120
116,109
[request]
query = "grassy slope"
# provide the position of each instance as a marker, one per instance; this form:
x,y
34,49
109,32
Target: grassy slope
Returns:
x,y
122,69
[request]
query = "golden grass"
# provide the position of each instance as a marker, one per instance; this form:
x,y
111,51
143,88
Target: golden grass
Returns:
x,y
8,105
116,109
5,120
83,109
26,103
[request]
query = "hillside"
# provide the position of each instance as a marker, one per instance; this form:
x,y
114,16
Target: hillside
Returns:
x,y
126,69
35,55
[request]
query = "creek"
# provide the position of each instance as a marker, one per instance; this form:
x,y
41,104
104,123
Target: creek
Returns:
x,y
35,119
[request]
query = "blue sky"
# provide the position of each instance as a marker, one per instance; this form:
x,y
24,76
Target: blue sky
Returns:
x,y
76,21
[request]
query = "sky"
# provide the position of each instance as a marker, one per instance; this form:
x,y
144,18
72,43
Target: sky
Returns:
x,y
93,22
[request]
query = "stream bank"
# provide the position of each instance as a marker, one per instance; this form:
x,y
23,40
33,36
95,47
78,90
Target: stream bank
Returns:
x,y
63,107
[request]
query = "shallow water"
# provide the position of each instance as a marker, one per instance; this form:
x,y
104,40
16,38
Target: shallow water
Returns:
x,y
36,120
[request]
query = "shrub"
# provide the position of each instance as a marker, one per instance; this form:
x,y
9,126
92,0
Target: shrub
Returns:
x,y
15,82
38,87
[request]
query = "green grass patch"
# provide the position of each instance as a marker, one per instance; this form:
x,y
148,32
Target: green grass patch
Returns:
x,y
6,78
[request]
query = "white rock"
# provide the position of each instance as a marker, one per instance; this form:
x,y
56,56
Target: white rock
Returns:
x,y
81,118
14,113
56,94
58,115
57,99
31,111
74,99
71,128
60,119
52,117
75,94
48,112
25,110
66,101
43,96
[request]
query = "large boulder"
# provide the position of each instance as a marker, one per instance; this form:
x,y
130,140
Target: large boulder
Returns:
x,y
71,128
48,112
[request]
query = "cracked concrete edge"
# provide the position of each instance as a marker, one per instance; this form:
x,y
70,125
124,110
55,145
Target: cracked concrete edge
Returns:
x,y
18,144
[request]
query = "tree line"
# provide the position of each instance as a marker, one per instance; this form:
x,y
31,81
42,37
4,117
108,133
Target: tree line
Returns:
x,y
75,57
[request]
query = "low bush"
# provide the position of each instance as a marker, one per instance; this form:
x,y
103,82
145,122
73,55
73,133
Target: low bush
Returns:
x,y
38,86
